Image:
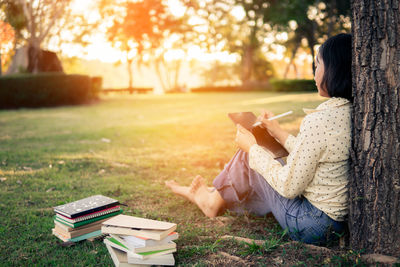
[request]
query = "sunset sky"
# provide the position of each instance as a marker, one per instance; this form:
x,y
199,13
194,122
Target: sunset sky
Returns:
x,y
100,50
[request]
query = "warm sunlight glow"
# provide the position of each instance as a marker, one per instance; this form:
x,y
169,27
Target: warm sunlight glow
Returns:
x,y
176,8
174,54
101,51
238,12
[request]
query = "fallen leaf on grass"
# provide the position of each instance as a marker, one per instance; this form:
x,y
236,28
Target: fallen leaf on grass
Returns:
x,y
50,189
2,179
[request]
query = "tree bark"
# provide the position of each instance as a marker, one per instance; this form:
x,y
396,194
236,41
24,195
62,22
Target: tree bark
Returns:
x,y
34,56
312,42
130,74
374,220
291,62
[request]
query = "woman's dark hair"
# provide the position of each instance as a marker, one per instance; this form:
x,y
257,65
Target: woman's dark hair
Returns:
x,y
336,55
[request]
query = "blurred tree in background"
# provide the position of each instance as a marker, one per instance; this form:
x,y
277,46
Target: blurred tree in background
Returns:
x,y
6,36
140,28
309,20
41,24
151,34
243,26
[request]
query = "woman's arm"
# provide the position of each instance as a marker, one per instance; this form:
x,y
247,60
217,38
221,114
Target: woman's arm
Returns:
x,y
275,130
292,179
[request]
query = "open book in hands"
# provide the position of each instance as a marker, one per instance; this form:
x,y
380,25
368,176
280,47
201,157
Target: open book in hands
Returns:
x,y
263,138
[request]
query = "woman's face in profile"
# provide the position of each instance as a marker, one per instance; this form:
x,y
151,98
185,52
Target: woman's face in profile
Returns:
x,y
319,73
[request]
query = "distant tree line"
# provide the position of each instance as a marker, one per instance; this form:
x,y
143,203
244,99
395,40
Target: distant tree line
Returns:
x,y
147,31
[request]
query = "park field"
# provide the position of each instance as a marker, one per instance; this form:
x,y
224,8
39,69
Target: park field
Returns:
x,y
125,147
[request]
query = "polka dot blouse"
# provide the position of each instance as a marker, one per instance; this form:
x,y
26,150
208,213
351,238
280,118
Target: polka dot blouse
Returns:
x,y
318,162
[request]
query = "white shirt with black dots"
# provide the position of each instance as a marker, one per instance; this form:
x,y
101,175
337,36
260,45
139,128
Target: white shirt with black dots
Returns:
x,y
318,162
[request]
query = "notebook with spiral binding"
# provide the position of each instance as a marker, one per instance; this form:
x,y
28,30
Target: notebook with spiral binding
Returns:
x,y
86,206
90,215
81,223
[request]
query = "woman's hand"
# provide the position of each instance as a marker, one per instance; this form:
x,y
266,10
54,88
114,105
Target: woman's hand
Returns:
x,y
273,126
244,138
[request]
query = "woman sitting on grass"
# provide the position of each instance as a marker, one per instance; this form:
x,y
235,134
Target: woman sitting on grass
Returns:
x,y
309,195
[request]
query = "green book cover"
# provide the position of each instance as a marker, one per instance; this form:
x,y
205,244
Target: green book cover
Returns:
x,y
78,224
140,253
117,242
85,236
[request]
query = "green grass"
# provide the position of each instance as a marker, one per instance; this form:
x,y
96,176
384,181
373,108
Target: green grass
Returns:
x,y
125,147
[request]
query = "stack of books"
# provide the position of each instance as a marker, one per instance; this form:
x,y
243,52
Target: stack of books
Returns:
x,y
82,219
138,241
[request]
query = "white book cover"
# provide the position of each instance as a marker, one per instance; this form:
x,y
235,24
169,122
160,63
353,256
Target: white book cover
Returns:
x,y
138,248
120,258
140,255
167,259
146,242
138,223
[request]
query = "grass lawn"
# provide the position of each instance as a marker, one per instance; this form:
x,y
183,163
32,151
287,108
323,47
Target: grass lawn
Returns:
x,y
125,147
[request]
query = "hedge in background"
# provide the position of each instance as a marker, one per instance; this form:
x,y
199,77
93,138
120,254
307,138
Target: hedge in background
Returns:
x,y
274,85
292,85
46,89
205,89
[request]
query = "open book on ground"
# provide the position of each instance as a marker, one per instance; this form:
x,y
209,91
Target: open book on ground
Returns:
x,y
264,139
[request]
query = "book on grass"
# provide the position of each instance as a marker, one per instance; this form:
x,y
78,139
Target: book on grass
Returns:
x,y
130,225
70,229
90,215
81,223
138,248
78,238
140,255
167,259
72,234
263,137
120,258
147,242
86,206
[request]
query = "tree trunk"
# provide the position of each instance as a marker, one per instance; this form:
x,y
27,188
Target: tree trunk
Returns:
x,y
293,56
177,72
1,70
247,64
34,54
374,220
130,74
312,42
157,66
331,17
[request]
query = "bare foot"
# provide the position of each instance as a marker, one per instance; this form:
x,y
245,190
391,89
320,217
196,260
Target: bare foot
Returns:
x,y
208,200
180,190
